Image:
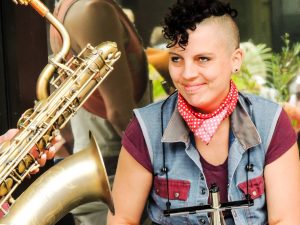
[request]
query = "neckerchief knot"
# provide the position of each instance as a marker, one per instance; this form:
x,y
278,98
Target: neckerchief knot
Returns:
x,y
205,125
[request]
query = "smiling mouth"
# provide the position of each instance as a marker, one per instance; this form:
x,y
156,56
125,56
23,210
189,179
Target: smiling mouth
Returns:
x,y
192,88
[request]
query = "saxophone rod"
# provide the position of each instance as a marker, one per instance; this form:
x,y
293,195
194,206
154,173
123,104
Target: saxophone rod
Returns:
x,y
46,74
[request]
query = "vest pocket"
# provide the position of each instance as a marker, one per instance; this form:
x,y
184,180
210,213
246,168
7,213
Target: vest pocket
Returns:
x,y
256,187
178,189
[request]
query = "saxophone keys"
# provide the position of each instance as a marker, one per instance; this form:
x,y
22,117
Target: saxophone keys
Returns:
x,y
42,143
28,160
23,121
25,163
21,167
6,186
11,200
34,168
56,132
60,120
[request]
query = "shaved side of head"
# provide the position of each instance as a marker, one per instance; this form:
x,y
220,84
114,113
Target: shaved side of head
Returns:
x,y
227,29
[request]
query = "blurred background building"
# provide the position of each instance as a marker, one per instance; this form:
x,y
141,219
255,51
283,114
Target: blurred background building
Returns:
x,y
23,41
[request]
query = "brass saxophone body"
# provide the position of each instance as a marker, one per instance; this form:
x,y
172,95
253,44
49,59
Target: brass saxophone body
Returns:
x,y
75,82
78,179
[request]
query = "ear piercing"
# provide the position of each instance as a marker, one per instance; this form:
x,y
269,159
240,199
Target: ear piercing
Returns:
x,y
235,70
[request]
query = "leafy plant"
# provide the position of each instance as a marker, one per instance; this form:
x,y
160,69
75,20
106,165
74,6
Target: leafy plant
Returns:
x,y
284,68
265,71
256,65
157,91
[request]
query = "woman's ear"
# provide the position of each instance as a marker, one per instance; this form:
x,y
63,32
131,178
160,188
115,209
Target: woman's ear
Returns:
x,y
237,59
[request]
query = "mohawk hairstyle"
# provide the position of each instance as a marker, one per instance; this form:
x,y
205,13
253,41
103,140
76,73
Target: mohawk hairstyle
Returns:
x,y
185,14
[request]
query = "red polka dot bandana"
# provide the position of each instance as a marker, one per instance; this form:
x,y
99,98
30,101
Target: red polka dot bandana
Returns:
x,y
205,125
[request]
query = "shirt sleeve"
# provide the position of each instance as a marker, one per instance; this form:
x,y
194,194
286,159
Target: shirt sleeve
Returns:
x,y
283,139
133,141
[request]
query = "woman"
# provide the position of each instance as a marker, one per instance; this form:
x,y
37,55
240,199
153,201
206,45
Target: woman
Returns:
x,y
208,133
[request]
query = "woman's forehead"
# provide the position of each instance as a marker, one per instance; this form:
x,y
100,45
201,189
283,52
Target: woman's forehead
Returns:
x,y
209,36
202,41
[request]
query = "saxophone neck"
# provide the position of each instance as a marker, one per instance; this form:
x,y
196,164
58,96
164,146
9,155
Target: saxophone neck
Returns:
x,y
46,74
66,42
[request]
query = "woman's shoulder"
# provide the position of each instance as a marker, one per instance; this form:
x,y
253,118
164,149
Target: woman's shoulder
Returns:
x,y
151,113
256,99
169,101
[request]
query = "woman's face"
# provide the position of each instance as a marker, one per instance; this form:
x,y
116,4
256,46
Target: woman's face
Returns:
x,y
202,71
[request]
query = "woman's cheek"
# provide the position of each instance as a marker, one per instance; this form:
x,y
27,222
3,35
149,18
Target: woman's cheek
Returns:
x,y
174,73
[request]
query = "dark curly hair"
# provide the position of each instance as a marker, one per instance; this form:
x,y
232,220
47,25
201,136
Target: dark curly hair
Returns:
x,y
185,14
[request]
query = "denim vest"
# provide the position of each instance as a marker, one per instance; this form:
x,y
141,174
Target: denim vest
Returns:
x,y
252,123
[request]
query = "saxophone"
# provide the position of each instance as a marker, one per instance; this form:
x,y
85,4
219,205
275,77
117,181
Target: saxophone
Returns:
x,y
75,82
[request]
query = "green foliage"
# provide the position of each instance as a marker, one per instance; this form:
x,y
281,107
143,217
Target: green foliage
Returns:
x,y
245,82
157,91
256,64
285,66
275,70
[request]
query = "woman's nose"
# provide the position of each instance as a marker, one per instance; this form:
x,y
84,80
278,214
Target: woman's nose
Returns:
x,y
189,71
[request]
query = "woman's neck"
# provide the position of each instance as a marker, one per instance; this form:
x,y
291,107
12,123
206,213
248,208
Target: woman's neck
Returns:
x,y
216,152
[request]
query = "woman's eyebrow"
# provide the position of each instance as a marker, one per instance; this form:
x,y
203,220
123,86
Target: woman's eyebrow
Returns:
x,y
173,53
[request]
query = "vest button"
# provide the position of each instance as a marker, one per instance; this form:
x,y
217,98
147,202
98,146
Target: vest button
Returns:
x,y
201,177
202,221
176,194
234,214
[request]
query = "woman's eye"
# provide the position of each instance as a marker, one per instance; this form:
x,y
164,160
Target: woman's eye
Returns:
x,y
175,59
203,59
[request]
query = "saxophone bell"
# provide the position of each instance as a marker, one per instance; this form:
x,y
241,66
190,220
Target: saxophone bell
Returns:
x,y
78,179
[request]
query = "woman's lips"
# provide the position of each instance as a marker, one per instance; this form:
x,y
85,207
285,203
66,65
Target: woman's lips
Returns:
x,y
191,88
